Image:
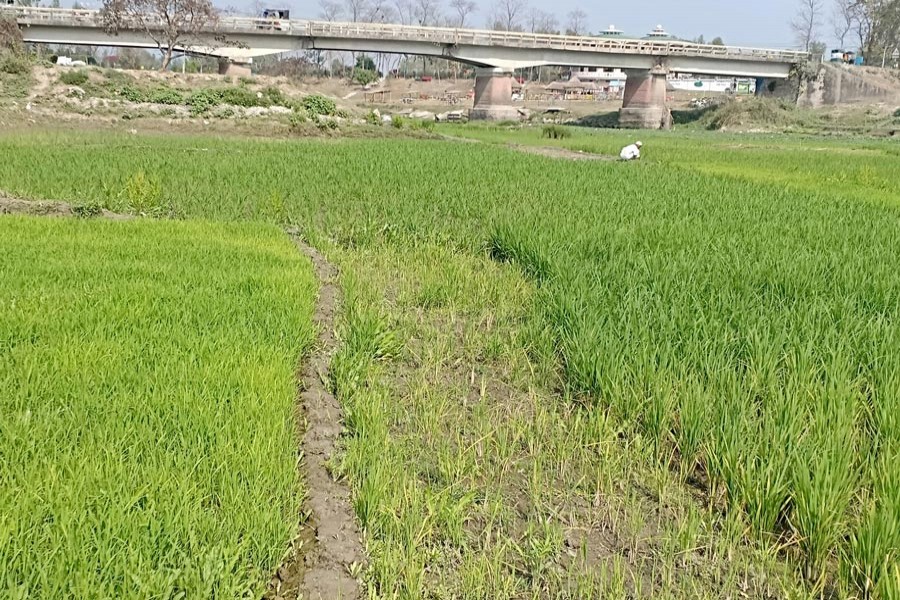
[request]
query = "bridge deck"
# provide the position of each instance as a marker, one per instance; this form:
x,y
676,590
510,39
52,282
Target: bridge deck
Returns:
x,y
50,17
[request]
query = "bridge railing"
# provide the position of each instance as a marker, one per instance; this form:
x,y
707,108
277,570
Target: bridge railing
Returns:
x,y
435,35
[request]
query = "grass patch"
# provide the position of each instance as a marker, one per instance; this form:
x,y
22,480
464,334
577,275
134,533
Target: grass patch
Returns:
x,y
727,304
15,74
147,391
75,77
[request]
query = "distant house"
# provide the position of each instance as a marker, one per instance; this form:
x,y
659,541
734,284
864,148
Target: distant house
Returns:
x,y
659,34
612,32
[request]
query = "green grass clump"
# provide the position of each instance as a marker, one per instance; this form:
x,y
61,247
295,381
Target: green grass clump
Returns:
x,y
15,74
556,132
147,391
318,105
77,77
166,95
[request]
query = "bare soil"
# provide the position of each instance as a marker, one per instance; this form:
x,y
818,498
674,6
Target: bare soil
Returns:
x,y
321,571
554,152
47,208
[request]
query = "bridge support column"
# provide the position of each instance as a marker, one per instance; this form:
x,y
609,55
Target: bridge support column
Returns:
x,y
234,67
644,106
493,96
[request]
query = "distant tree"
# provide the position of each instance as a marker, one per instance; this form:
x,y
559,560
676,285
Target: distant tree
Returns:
x,y
426,12
338,67
169,24
11,36
404,10
717,41
843,17
807,23
540,21
577,23
330,10
365,71
357,10
817,50
507,14
878,27
462,10
365,62
133,58
54,4
382,12
699,39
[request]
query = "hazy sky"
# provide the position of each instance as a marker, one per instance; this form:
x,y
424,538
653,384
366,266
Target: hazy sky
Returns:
x,y
739,22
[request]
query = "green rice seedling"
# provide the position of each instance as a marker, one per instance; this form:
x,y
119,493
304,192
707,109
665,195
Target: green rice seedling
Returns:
x,y
147,391
873,551
824,481
751,280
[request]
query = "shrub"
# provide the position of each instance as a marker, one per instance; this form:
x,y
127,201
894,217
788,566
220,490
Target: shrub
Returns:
x,y
397,122
87,209
272,96
897,114
556,132
74,77
166,96
317,104
364,76
246,81
201,101
327,124
132,93
299,117
10,35
224,113
237,96
372,118
14,64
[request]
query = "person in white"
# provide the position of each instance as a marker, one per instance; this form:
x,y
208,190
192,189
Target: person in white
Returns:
x,y
631,152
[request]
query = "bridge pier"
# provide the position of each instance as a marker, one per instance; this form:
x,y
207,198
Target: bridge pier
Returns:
x,y
644,105
493,96
234,67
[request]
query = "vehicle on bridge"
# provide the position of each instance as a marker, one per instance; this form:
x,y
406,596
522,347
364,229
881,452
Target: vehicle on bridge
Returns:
x,y
270,18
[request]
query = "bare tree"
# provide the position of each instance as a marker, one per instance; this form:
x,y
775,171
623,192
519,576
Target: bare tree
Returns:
x,y
507,14
426,12
168,23
404,10
462,8
807,22
577,24
357,10
330,10
540,21
878,27
382,12
843,19
11,36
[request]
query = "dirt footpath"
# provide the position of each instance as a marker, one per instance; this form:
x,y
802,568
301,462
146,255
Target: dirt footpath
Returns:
x,y
48,208
322,571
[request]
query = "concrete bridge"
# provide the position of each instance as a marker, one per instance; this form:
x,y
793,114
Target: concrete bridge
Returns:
x,y
494,54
